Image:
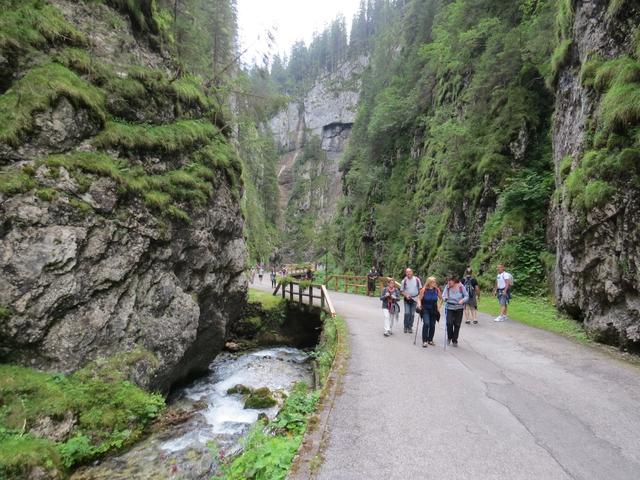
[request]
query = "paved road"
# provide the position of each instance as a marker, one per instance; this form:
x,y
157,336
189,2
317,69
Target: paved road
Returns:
x,y
511,402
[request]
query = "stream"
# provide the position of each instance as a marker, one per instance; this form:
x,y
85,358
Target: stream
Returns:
x,y
216,423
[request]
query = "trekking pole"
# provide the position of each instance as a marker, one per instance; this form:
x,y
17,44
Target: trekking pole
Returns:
x,y
445,326
417,327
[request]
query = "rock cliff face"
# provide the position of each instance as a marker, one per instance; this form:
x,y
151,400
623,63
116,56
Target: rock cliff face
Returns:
x,y
596,218
310,184
113,235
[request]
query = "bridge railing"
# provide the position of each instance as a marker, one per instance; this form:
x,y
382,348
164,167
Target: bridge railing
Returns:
x,y
353,283
310,292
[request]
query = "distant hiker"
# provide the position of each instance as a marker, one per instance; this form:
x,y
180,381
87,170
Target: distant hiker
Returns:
x,y
260,273
411,286
428,303
252,273
273,278
390,308
455,297
471,307
504,281
372,278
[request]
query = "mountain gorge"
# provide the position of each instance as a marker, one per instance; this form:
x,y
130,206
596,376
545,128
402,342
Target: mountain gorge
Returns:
x,y
489,132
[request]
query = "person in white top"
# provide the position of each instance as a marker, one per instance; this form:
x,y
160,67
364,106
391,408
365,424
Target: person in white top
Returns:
x,y
504,280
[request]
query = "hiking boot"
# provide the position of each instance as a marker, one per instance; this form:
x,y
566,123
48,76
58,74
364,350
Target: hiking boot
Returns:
x,y
468,322
475,322
386,334
431,343
455,343
424,344
499,318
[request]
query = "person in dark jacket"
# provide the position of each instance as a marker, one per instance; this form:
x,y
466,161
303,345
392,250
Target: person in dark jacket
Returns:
x,y
428,300
372,279
390,307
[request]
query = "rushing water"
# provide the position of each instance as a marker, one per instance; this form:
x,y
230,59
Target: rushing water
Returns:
x,y
183,450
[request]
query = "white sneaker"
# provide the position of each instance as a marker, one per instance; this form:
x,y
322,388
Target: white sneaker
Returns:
x,y
499,319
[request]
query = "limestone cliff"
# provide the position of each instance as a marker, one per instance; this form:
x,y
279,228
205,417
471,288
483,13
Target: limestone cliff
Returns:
x,y
120,224
320,122
596,216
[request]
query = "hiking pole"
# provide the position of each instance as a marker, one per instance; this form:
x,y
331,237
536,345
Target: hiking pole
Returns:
x,y
417,327
445,326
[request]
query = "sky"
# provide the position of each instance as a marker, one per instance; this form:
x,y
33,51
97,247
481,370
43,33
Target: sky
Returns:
x,y
290,21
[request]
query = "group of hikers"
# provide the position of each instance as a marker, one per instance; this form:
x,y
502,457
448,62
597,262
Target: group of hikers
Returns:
x,y
260,270
459,297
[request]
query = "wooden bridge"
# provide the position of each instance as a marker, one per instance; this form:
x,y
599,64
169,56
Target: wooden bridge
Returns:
x,y
303,292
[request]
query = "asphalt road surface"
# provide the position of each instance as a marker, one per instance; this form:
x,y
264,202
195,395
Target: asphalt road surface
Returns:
x,y
511,402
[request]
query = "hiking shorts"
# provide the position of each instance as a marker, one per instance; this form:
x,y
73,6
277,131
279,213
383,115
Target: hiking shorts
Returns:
x,y
502,298
473,303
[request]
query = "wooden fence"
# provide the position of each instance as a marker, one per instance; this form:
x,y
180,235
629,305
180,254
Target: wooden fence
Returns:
x,y
354,283
295,293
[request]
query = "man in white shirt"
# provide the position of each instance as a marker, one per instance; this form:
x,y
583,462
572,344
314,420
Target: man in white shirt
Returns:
x,y
504,280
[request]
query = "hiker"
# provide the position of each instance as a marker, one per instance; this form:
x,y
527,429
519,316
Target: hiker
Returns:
x,y
273,278
252,273
455,297
260,273
390,308
473,289
428,300
504,281
372,276
411,286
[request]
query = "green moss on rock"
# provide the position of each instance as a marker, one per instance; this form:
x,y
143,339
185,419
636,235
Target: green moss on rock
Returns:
x,y
239,389
39,89
259,399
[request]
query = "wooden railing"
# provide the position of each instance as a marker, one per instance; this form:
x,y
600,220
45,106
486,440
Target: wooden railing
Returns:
x,y
354,283
294,292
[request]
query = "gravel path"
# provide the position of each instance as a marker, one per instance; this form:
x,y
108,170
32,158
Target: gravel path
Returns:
x,y
511,402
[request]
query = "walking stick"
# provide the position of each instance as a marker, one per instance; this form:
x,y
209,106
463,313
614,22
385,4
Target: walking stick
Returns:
x,y
417,327
445,326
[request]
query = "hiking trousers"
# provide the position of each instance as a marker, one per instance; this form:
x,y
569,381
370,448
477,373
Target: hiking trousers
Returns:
x,y
389,319
454,320
409,313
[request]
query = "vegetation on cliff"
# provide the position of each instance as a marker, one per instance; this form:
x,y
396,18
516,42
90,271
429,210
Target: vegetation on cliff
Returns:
x,y
50,422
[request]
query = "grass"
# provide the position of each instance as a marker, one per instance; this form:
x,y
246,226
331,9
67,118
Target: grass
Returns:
x,y
170,138
189,90
167,193
539,313
266,299
15,181
39,89
109,412
34,24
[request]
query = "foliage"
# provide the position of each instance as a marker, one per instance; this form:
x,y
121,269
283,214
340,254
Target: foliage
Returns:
x,y
268,451
449,159
109,411
610,162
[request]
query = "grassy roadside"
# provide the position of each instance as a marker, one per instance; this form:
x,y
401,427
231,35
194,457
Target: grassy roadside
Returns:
x,y
538,313
270,448
266,299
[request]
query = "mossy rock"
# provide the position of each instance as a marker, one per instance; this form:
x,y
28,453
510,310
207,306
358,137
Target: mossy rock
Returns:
x,y
260,398
241,389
